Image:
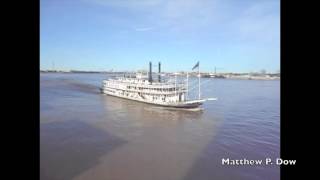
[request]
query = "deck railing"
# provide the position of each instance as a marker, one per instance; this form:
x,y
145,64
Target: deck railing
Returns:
x,y
150,86
148,91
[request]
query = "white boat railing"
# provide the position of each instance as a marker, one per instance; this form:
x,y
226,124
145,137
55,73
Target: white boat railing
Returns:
x,y
150,86
149,91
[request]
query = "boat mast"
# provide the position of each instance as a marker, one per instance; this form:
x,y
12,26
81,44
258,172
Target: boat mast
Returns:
x,y
150,72
199,78
175,84
159,77
187,85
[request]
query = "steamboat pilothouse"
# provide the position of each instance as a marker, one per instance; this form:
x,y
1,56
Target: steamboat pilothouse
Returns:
x,y
158,92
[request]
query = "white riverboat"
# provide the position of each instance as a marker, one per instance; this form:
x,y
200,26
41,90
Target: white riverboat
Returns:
x,y
158,92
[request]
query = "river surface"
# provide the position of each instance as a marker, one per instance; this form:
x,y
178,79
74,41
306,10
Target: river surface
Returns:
x,y
85,135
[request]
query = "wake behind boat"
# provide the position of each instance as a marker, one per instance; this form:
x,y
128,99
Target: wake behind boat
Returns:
x,y
158,92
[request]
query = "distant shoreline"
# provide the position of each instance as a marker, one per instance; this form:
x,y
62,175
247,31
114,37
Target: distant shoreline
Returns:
x,y
84,72
238,76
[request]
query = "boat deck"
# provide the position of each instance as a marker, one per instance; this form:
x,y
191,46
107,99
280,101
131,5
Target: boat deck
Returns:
x,y
183,104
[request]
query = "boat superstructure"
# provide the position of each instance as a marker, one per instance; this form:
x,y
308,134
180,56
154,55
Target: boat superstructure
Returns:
x,y
159,92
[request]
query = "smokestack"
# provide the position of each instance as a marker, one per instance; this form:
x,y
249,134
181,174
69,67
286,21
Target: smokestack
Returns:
x,y
150,72
159,78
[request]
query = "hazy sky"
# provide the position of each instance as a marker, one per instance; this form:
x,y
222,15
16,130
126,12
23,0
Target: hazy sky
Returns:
x,y
232,35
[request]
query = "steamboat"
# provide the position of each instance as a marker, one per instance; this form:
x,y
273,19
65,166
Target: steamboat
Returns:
x,y
161,92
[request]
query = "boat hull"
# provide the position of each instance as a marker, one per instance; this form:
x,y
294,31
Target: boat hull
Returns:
x,y
184,105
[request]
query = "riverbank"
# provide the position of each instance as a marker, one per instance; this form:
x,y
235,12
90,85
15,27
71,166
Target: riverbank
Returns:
x,y
243,76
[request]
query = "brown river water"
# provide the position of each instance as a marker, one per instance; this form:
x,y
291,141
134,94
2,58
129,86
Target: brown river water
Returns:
x,y
85,135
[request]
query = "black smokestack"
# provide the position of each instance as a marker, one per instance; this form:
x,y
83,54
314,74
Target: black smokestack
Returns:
x,y
150,72
159,78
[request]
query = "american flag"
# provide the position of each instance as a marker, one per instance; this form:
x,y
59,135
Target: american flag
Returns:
x,y
195,66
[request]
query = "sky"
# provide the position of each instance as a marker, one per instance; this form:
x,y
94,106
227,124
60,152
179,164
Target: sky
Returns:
x,y
124,35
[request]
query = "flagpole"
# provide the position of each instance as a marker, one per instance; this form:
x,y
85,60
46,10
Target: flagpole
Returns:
x,y
199,78
175,85
187,85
